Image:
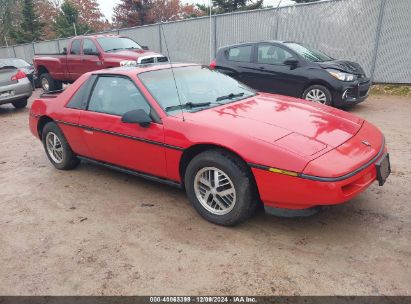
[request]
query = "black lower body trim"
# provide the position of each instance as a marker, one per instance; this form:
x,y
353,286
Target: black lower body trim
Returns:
x,y
133,172
290,213
120,135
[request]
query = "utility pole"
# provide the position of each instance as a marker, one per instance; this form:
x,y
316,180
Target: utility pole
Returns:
x,y
75,30
210,3
7,44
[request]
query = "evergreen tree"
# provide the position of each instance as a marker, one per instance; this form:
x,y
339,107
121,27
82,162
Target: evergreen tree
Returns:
x,y
8,18
67,22
30,28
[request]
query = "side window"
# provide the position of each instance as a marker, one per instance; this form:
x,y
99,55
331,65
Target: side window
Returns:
x,y
241,53
79,99
88,44
75,47
116,95
271,54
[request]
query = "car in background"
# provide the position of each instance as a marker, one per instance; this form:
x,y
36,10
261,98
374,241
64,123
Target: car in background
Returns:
x,y
89,53
15,87
292,69
24,66
228,146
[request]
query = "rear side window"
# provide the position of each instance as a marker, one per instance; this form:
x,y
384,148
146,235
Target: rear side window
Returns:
x,y
75,47
241,53
116,96
80,98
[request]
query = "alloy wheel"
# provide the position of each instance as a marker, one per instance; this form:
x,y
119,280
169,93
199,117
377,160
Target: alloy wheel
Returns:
x,y
316,95
215,190
54,147
45,84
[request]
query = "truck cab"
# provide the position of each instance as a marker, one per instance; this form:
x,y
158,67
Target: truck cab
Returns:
x,y
89,53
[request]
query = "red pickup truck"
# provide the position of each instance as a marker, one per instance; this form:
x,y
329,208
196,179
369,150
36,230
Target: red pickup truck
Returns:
x,y
88,53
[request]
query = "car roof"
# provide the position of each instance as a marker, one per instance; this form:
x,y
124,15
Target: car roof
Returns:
x,y
101,36
142,68
261,41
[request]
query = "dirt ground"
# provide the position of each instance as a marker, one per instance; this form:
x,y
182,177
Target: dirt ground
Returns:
x,y
93,231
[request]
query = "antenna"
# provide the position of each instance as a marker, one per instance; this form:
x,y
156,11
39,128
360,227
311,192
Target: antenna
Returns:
x,y
172,70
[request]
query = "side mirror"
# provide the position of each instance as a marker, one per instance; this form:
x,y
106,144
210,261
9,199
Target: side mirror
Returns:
x,y
144,47
90,52
137,116
291,62
64,50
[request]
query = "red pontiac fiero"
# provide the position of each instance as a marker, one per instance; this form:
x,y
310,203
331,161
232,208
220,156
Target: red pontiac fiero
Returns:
x,y
230,147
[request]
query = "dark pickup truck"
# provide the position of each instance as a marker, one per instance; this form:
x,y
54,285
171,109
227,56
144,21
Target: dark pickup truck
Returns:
x,y
88,53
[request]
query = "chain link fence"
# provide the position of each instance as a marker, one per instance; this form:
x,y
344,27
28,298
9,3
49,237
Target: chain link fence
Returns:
x,y
374,33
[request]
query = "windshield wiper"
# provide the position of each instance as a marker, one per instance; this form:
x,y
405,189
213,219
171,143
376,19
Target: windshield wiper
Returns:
x,y
229,96
188,105
115,49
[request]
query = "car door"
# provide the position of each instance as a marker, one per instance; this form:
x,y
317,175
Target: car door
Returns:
x,y
69,117
91,58
239,64
75,60
274,75
110,140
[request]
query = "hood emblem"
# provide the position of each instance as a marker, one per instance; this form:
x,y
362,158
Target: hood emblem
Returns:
x,y
365,142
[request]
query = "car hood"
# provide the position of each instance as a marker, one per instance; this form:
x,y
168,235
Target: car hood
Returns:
x,y
344,66
132,54
300,126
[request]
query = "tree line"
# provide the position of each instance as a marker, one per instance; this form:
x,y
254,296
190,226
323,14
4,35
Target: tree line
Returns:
x,y
24,21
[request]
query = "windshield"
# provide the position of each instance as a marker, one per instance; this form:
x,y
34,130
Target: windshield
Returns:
x,y
110,44
198,88
18,63
309,54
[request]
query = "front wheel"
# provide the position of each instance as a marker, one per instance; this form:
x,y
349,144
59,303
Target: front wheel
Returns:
x,y
221,187
49,84
318,94
57,148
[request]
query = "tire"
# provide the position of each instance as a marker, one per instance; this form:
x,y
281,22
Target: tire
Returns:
x,y
239,178
20,104
49,84
318,91
63,158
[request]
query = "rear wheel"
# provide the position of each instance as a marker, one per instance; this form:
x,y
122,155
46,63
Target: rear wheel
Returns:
x,y
20,104
318,94
57,148
220,187
49,84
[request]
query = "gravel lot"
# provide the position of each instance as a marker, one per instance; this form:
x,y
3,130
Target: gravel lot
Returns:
x,y
93,231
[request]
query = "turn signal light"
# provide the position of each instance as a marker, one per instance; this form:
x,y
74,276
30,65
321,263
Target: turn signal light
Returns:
x,y
285,172
213,64
19,75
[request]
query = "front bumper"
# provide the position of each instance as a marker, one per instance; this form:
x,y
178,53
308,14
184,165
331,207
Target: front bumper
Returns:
x,y
21,90
352,93
288,192
332,178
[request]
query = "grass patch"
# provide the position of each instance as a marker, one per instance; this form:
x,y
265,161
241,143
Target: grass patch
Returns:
x,y
391,89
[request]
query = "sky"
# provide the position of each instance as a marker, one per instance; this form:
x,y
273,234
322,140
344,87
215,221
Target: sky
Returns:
x,y
108,5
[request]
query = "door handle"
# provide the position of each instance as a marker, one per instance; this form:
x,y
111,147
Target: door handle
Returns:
x,y
262,68
88,131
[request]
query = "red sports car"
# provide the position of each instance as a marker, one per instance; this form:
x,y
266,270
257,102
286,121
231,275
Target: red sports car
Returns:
x,y
230,147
